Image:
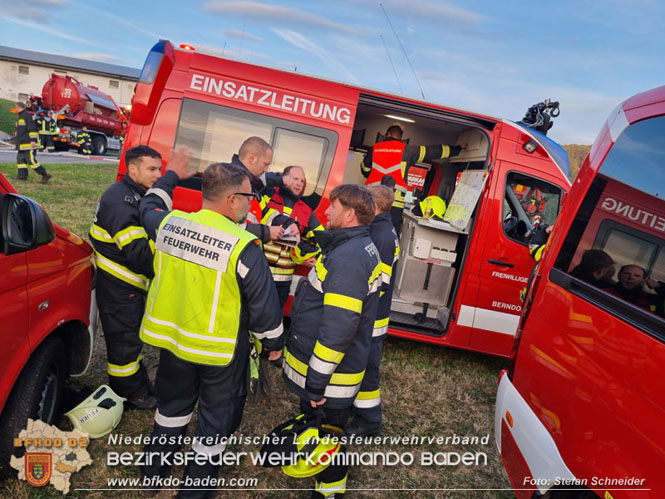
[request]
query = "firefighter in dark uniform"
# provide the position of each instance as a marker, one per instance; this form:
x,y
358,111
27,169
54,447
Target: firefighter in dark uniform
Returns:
x,y
53,131
255,156
124,257
84,141
212,291
367,413
44,124
333,316
393,157
27,142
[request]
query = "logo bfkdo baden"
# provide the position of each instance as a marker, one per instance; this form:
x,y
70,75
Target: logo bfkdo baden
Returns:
x,y
38,468
51,455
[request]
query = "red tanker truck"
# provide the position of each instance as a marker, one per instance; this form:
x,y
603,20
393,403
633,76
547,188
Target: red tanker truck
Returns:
x,y
76,105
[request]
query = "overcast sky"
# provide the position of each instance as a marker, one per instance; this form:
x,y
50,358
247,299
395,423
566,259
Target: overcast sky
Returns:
x,y
493,57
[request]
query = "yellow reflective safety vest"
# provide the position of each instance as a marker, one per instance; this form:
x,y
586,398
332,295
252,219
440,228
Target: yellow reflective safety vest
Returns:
x,y
194,301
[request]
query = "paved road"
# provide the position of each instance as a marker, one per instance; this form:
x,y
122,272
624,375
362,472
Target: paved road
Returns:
x,y
9,156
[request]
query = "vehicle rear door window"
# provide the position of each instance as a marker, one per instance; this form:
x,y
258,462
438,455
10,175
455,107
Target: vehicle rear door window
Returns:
x,y
614,252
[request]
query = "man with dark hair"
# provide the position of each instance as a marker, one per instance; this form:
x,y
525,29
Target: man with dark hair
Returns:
x,y
124,259
392,157
27,142
212,290
367,411
333,316
255,156
595,268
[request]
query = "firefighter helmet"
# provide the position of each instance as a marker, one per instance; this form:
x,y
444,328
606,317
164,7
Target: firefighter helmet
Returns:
x,y
433,206
99,413
302,446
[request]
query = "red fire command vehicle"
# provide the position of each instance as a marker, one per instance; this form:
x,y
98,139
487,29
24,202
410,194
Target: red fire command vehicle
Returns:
x,y
583,403
48,314
458,282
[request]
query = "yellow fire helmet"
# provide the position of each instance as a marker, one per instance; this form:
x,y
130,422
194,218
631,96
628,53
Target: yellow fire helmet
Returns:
x,y
302,446
433,206
99,414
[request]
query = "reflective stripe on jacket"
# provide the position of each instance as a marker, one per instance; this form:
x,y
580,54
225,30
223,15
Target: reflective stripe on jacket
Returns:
x,y
380,161
196,256
383,234
332,318
121,244
26,131
212,282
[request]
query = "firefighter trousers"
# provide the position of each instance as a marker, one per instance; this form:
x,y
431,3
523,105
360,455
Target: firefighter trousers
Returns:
x,y
47,141
331,482
121,308
220,392
367,409
28,158
283,288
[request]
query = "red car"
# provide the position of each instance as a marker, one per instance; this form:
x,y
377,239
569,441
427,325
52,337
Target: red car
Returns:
x,y
582,406
48,314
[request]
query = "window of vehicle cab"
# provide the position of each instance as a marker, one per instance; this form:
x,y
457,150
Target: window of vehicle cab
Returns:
x,y
528,202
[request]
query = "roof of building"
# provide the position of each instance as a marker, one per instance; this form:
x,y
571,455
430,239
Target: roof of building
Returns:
x,y
60,61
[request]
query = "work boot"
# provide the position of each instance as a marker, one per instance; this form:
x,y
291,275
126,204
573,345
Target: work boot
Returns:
x,y
363,429
144,402
45,178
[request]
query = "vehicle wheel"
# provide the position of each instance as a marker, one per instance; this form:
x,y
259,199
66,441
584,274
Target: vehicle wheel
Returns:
x,y
37,394
99,145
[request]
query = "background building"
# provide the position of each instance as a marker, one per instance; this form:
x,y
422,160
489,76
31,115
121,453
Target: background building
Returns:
x,y
24,72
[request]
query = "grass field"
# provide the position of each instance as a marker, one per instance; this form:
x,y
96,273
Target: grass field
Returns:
x,y
7,118
426,391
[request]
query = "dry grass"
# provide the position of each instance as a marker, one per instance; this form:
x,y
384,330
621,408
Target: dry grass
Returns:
x,y
426,390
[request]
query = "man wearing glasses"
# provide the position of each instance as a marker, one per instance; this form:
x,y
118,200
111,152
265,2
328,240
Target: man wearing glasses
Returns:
x,y
212,290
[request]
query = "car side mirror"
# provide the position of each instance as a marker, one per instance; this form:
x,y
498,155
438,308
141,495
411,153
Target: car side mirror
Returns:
x,y
25,224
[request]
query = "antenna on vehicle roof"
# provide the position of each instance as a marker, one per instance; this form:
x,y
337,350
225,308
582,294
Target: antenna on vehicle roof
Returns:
x,y
405,54
391,63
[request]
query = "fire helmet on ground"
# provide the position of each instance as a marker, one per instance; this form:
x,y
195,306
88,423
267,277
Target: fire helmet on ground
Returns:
x,y
99,414
302,446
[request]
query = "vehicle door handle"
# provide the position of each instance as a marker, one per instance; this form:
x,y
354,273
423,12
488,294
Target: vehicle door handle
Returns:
x,y
500,263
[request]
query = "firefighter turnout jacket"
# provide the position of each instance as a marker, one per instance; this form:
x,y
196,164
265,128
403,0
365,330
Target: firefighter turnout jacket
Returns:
x,y
121,244
394,158
84,142
123,254
26,132
212,283
283,259
332,319
382,233
367,406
